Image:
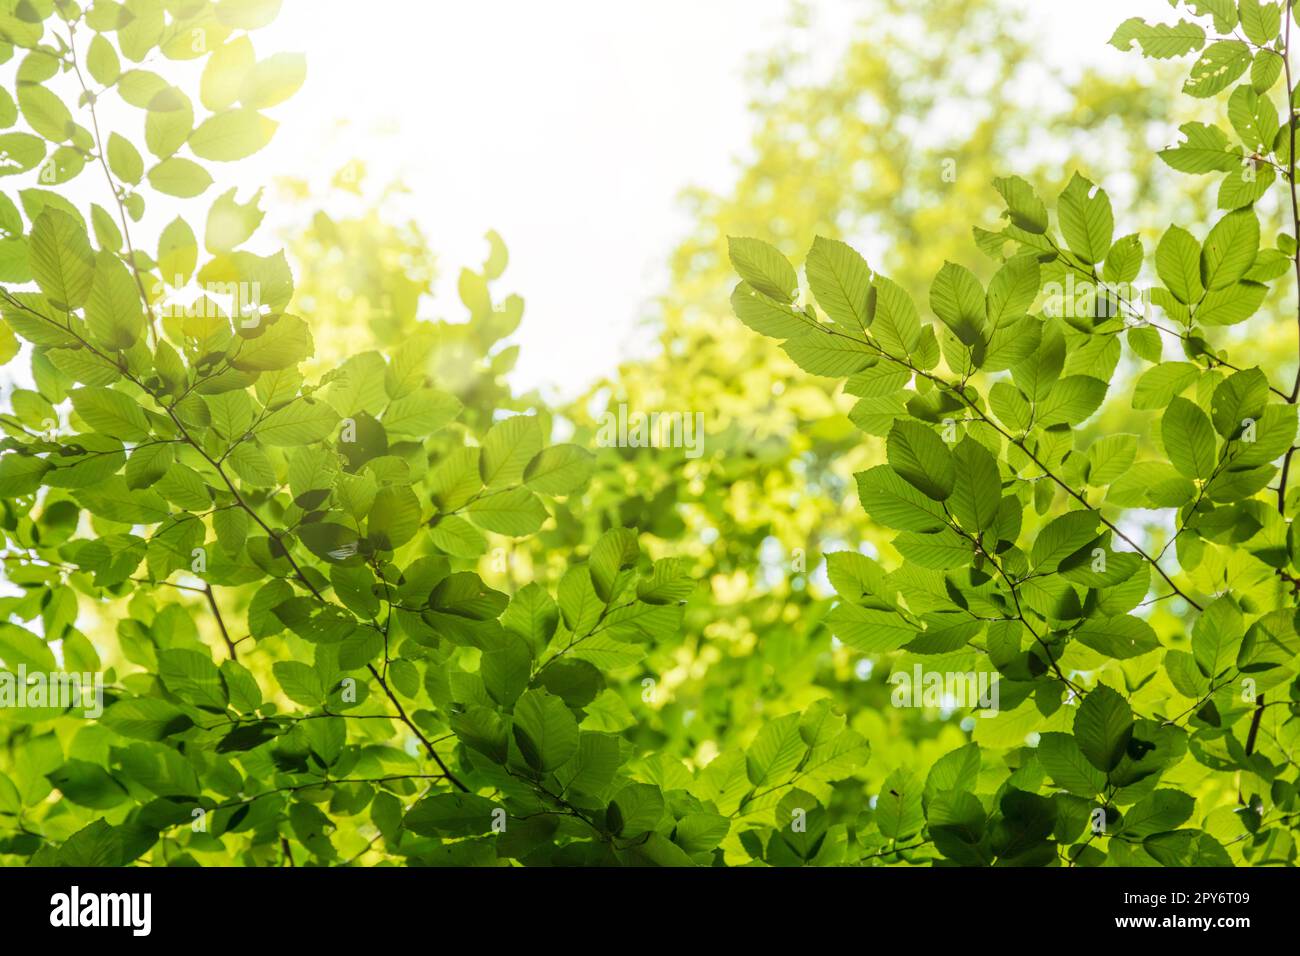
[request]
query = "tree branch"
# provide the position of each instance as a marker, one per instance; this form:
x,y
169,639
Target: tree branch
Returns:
x,y
216,611
401,715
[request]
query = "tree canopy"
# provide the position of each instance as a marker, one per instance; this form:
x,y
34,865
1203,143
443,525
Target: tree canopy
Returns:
x,y
346,598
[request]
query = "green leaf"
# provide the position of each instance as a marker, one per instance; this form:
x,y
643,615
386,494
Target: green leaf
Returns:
x,y
300,682
112,498
1071,401
394,517
456,479
507,449
833,355
179,177
635,809
775,752
869,630
1159,812
898,806
1254,119
1086,219
147,464
1188,439
1109,457
298,423
921,458
248,14
45,113
514,511
456,536
1204,149
1260,20
841,280
579,604
977,490
140,87
533,616
942,551
282,344
146,718
767,316
178,252
230,224
1217,636
559,470
233,135
228,70
1178,258
1230,249
957,298
1103,727
1223,11
897,327
1025,210
1013,289
956,770
245,695
1186,848
894,503
451,815
111,413
21,474
1240,399
88,785
102,61
1118,637
420,414
124,160
168,123
1158,386
1264,72
141,29
1159,40
613,557
764,268
274,80
1245,186
1062,537
61,259
114,312
192,677
21,648
1219,67
23,151
1065,763
701,832
668,583
545,730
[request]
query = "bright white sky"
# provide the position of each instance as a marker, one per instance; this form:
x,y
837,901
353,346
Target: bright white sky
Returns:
x,y
569,126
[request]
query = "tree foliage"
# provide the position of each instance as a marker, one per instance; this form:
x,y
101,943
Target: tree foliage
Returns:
x,y
174,463
1015,537
356,601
